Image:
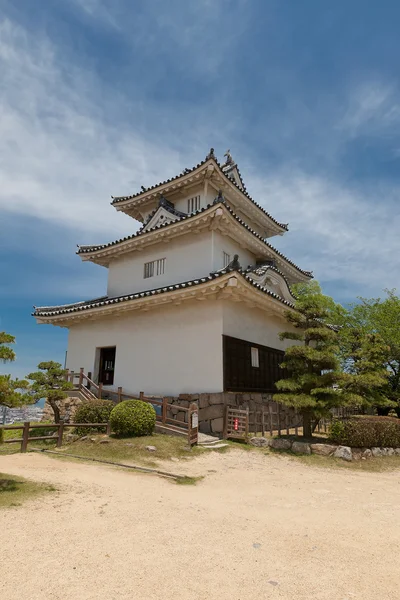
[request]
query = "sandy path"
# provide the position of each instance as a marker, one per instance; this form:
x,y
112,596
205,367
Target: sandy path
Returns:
x,y
259,527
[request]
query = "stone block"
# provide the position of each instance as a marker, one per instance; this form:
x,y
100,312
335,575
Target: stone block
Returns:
x,y
389,451
151,448
397,451
217,425
211,412
301,448
260,442
323,449
376,452
204,401
216,399
180,416
280,444
366,453
184,397
205,426
357,453
343,452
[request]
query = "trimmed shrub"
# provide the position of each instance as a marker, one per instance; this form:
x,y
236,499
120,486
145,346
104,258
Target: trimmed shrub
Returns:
x,y
94,411
133,418
367,432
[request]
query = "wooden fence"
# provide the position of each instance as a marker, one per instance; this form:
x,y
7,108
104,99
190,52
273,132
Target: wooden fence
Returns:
x,y
275,419
60,427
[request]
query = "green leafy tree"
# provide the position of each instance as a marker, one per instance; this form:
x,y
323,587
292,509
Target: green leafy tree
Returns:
x,y
379,319
49,382
7,354
314,380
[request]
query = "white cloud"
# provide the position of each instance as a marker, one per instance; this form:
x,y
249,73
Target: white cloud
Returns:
x,y
342,234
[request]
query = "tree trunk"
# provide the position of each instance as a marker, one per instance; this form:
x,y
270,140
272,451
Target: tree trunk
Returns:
x,y
55,410
307,423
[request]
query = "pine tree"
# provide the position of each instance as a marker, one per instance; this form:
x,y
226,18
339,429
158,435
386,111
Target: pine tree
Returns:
x,y
50,383
314,378
7,354
11,390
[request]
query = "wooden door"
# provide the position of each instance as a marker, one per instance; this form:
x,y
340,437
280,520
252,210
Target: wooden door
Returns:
x,y
107,366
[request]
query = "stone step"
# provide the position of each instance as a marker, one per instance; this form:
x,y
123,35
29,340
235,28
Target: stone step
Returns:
x,y
213,446
204,438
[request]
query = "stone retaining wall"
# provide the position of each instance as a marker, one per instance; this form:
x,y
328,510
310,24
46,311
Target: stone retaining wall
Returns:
x,y
343,452
67,406
212,407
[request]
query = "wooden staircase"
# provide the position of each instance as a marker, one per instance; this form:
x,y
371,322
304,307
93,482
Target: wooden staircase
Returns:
x,y
165,422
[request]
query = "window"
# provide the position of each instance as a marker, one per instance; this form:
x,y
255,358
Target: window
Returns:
x,y
254,358
227,259
154,267
193,204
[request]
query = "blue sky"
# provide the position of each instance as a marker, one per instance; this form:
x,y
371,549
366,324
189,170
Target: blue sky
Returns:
x,y
98,97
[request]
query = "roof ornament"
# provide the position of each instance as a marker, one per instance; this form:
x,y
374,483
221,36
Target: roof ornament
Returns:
x,y
235,264
229,159
143,188
211,154
219,198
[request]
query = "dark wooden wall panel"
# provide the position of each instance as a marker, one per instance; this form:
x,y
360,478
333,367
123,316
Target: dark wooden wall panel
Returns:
x,y
240,376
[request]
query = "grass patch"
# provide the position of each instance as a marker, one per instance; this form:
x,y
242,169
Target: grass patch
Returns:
x,y
371,465
16,490
186,480
131,450
6,449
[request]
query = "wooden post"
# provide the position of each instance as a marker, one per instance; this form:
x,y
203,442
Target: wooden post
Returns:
x,y
89,376
119,394
81,377
193,427
60,433
296,420
164,411
287,421
108,430
25,436
100,390
271,430
247,424
225,429
141,396
262,422
278,416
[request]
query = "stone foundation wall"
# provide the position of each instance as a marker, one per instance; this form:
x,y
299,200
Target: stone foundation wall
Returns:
x,y
212,407
67,406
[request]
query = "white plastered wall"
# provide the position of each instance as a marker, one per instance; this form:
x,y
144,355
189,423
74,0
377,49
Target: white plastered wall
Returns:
x,y
168,351
187,257
224,243
254,325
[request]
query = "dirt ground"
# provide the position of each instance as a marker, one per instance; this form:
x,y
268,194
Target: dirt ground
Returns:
x,y
257,526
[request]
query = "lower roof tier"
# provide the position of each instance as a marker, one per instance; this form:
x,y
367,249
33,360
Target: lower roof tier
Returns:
x,y
230,283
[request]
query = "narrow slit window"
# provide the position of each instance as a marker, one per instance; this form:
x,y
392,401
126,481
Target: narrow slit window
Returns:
x,y
254,358
227,259
154,268
193,204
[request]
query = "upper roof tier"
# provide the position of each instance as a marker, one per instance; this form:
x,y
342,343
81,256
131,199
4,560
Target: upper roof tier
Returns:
x,y
195,188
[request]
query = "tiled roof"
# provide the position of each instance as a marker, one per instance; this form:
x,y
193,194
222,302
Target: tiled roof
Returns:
x,y
218,200
262,269
210,156
52,311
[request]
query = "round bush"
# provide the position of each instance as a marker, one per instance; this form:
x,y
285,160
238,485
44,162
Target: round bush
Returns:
x,y
93,411
133,418
367,432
